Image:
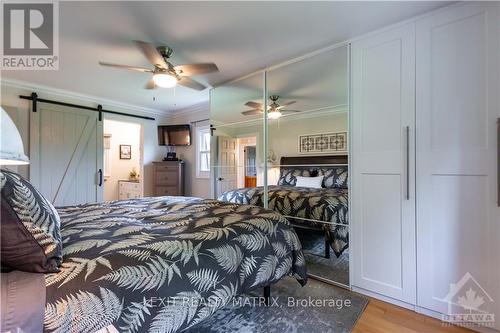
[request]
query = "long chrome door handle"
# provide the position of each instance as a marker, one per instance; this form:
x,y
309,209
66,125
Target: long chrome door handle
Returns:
x,y
498,162
407,162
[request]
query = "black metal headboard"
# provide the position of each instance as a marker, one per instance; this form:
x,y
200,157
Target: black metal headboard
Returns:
x,y
314,160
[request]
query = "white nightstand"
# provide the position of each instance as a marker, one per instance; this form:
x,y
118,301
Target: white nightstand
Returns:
x,y
128,189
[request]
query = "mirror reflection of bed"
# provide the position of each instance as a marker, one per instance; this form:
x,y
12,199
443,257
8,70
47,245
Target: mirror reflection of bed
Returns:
x,y
319,215
307,136
312,193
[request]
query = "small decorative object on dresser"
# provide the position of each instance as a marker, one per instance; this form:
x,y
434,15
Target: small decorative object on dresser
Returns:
x,y
133,175
129,189
125,152
168,178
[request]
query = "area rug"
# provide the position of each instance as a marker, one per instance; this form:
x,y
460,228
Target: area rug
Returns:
x,y
317,307
313,244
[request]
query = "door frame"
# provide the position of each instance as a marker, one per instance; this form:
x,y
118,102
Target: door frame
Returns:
x,y
241,157
141,123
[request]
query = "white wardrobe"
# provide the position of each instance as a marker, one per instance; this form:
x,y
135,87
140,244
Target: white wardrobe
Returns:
x,y
424,194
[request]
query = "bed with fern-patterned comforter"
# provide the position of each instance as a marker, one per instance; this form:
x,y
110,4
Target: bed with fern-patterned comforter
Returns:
x,y
310,206
163,264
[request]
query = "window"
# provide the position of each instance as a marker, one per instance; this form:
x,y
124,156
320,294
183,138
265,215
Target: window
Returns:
x,y
203,152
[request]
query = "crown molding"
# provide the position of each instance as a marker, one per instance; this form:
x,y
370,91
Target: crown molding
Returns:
x,y
315,113
140,110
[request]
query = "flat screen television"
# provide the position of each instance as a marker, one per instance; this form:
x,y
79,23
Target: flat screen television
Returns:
x,y
174,135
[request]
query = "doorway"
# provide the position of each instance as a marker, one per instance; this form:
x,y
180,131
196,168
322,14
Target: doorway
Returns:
x,y
247,161
123,160
250,158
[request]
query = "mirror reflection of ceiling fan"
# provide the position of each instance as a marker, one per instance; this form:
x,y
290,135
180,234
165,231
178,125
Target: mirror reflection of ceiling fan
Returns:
x,y
274,110
165,75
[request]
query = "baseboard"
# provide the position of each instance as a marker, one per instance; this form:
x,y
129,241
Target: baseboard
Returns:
x,y
418,309
383,298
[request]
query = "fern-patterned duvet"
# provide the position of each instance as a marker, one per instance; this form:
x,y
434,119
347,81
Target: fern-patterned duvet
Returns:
x,y
163,264
312,206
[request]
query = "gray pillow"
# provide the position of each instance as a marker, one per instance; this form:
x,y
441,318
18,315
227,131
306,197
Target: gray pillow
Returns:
x,y
334,177
30,227
288,175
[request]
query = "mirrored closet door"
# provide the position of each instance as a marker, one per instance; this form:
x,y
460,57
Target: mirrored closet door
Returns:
x,y
237,145
302,172
308,130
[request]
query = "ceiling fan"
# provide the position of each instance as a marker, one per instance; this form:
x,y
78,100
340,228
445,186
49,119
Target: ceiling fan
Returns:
x,y
165,75
274,110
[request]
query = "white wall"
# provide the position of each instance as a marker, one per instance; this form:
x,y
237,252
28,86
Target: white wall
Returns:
x,y
284,134
197,187
122,133
20,108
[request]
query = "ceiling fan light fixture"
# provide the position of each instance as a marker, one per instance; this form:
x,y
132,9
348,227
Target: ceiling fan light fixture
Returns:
x,y
164,80
274,115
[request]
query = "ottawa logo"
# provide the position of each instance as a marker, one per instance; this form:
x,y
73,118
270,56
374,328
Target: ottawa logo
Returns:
x,y
469,304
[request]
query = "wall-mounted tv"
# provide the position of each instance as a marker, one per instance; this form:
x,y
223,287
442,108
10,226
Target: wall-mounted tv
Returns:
x,y
174,135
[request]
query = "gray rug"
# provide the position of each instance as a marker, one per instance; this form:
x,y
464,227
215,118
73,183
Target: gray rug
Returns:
x,y
334,269
317,307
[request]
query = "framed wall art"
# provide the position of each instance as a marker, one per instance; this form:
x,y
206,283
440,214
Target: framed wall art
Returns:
x,y
125,152
327,143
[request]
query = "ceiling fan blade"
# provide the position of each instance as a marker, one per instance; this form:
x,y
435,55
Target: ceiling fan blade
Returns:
x,y
190,83
254,105
251,112
291,111
150,84
132,68
196,69
151,53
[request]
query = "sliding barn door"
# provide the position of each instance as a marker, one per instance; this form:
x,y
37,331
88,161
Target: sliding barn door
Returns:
x,y
66,152
458,217
383,190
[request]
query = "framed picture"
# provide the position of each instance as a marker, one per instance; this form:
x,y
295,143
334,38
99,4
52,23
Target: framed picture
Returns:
x,y
125,152
326,143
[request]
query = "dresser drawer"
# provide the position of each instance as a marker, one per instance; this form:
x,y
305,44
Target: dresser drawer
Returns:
x,y
166,190
167,177
128,195
167,168
129,186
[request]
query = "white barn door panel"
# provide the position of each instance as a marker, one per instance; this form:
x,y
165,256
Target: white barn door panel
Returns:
x,y
66,151
382,195
458,219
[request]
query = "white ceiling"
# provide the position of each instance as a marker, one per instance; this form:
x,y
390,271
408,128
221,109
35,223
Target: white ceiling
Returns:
x,y
240,37
313,84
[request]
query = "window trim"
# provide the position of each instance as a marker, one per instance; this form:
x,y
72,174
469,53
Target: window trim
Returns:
x,y
201,130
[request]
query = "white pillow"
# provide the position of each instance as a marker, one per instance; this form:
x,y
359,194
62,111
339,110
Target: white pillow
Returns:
x,y
312,182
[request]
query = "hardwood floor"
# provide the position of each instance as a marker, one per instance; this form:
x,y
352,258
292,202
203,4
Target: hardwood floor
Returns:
x,y
386,318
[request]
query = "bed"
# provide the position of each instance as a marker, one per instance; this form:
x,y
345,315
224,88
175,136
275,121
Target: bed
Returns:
x,y
160,264
324,209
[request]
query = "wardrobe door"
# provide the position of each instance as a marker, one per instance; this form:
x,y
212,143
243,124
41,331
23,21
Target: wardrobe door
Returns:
x,y
383,200
457,110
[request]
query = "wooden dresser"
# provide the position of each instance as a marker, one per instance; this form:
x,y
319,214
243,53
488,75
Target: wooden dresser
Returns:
x,y
168,178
